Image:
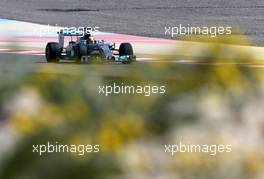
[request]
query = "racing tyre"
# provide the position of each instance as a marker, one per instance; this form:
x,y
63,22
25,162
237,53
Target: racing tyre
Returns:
x,y
81,51
126,49
53,52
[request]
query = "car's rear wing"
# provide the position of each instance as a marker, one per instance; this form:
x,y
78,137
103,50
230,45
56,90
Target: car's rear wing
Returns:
x,y
75,32
71,34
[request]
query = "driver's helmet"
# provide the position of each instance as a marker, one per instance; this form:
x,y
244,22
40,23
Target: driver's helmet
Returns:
x,y
86,36
91,38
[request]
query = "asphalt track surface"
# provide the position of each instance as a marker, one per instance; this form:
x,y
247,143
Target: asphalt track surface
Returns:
x,y
141,17
12,61
145,18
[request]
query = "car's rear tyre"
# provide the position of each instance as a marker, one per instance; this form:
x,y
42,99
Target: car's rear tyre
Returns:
x,y
126,49
81,51
53,52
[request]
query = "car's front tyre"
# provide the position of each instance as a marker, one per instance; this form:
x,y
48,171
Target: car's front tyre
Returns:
x,y
126,49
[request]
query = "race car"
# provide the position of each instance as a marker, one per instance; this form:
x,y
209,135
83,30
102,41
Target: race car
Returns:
x,y
86,49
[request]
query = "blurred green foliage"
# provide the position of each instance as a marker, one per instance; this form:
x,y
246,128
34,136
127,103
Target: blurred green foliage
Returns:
x,y
60,103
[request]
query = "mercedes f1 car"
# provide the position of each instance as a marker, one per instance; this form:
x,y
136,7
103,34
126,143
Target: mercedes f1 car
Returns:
x,y
86,49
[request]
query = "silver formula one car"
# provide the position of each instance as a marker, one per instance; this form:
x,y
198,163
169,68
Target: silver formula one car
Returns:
x,y
86,49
